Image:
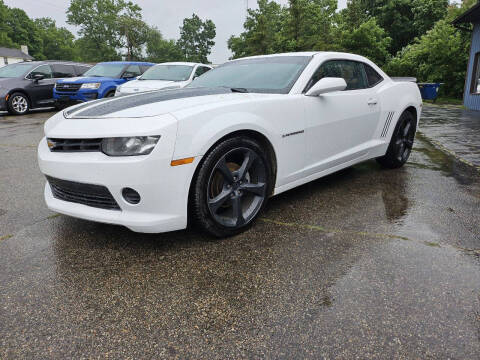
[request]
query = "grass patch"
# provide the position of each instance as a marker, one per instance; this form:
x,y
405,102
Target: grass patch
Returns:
x,y
445,101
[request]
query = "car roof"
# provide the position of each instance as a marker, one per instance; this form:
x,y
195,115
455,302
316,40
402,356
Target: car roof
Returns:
x,y
182,63
40,62
304,53
127,62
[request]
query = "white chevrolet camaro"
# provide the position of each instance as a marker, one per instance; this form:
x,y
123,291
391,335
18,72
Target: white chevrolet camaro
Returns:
x,y
214,152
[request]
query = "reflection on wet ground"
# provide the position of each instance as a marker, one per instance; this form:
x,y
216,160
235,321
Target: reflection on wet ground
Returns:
x,y
366,263
457,129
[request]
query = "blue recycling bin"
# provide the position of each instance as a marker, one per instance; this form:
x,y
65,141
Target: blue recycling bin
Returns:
x,y
429,91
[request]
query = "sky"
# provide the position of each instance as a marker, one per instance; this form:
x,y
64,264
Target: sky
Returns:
x,y
166,15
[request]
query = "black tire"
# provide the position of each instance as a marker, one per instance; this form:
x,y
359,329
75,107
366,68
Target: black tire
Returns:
x,y
231,187
18,104
60,106
110,94
401,144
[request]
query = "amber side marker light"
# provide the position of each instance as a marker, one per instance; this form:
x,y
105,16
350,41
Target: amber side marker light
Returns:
x,y
6,97
182,161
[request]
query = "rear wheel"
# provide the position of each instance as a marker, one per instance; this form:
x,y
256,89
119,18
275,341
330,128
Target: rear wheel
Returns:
x,y
401,143
231,188
18,104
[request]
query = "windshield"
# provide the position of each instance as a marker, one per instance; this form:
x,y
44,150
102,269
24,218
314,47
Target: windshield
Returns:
x,y
274,75
168,72
15,70
105,70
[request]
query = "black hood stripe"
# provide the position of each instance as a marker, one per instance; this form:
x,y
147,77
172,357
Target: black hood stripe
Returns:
x,y
109,106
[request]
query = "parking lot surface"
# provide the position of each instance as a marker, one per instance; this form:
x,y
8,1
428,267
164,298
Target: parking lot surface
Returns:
x,y
366,263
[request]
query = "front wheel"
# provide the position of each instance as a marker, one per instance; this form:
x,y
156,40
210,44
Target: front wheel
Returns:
x,y
401,144
18,104
231,187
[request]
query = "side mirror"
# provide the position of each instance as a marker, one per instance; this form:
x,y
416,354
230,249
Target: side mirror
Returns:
x,y
128,75
327,85
37,77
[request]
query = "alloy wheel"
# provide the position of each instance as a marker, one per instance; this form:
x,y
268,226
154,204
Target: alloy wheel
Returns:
x,y
404,142
237,187
19,104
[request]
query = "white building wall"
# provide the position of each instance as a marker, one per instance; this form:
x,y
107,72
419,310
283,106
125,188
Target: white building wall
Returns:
x,y
9,61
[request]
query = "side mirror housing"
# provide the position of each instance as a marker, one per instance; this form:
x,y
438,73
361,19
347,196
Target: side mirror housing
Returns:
x,y
38,77
327,85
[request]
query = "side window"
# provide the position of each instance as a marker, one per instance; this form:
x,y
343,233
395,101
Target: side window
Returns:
x,y
80,70
351,71
63,71
373,77
132,71
144,68
42,70
475,85
201,70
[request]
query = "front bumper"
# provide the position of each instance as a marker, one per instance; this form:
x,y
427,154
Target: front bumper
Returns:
x,y
75,97
3,101
163,188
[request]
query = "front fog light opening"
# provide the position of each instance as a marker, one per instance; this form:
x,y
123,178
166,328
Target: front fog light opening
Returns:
x,y
131,196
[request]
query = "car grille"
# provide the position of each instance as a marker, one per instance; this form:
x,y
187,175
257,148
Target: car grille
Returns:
x,y
74,145
91,195
67,87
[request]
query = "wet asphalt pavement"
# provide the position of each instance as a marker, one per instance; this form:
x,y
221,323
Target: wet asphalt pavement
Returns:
x,y
366,263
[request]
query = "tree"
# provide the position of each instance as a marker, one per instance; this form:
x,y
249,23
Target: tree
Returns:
x,y
22,31
441,55
134,34
101,29
368,39
404,20
58,43
309,24
5,29
160,50
263,31
196,39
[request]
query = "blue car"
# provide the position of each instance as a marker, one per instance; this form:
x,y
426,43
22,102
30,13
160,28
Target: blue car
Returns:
x,y
99,82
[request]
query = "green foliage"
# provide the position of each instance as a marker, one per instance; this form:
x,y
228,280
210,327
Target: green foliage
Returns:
x,y
368,39
160,50
5,40
102,27
24,32
441,55
196,39
309,24
262,33
58,43
134,33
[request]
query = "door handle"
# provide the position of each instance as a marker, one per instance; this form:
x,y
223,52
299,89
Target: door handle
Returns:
x,y
372,102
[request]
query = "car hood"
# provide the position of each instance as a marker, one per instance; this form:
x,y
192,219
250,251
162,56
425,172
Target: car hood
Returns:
x,y
84,79
157,103
145,85
7,81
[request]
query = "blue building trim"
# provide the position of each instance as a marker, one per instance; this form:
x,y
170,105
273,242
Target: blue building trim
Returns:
x,y
472,101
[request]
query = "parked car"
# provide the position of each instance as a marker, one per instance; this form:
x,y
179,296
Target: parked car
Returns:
x,y
217,149
172,75
98,82
29,85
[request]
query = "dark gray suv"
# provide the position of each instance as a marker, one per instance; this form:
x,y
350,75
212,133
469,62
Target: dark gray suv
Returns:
x,y
28,85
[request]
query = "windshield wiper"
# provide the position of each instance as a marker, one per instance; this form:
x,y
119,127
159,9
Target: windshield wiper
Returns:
x,y
239,90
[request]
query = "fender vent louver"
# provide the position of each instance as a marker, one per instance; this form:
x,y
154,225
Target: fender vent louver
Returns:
x,y
387,123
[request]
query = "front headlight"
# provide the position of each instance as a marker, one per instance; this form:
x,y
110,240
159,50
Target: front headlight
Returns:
x,y
90,86
129,146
